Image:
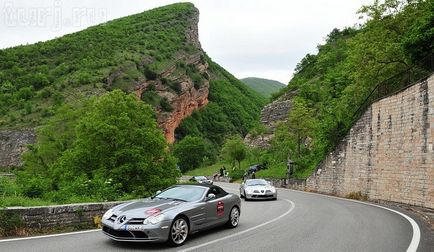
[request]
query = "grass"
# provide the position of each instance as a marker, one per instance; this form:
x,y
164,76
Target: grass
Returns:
x,y
271,172
8,201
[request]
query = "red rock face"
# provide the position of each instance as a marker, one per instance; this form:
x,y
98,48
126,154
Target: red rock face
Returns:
x,y
183,106
184,103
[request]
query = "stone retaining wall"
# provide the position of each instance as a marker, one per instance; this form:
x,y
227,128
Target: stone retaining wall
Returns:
x,y
61,215
389,152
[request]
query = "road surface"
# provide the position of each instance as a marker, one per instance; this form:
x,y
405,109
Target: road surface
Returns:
x,y
297,221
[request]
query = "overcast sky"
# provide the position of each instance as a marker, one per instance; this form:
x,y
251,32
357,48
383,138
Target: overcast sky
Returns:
x,y
259,38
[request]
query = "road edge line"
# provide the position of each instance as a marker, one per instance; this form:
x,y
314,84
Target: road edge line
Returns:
x,y
415,240
48,236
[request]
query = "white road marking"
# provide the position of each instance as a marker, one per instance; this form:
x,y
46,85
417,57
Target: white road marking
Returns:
x,y
244,231
414,243
48,236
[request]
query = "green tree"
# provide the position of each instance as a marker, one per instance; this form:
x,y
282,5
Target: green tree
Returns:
x,y
118,139
234,150
191,152
300,123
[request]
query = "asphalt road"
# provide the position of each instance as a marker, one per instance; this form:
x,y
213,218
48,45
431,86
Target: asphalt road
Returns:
x,y
297,221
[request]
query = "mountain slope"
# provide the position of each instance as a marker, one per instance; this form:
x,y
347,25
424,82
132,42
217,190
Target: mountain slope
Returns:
x,y
264,87
330,89
156,54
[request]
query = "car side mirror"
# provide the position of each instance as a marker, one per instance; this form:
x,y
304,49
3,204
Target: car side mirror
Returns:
x,y
158,192
210,196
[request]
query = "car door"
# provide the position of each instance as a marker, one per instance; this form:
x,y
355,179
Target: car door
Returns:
x,y
215,208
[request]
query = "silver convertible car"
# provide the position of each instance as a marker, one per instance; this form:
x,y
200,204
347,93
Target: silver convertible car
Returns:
x,y
257,189
173,214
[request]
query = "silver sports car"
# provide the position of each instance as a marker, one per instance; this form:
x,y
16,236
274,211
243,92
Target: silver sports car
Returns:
x,y
173,214
257,189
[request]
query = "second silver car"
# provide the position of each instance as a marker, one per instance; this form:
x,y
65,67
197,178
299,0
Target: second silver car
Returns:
x,y
257,189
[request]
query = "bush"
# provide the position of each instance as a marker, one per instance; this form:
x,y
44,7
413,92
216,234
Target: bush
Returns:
x,y
236,174
33,186
10,221
165,105
191,152
357,196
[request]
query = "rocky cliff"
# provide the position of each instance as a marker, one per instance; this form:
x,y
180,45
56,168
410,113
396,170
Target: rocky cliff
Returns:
x,y
188,98
271,115
12,144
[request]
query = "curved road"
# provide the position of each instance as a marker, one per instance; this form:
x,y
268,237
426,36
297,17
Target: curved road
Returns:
x,y
297,221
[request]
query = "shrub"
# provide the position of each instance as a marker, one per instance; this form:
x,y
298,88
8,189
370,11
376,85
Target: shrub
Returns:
x,y
33,186
165,105
10,221
357,196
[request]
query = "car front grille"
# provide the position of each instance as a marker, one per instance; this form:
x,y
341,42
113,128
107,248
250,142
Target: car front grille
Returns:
x,y
136,221
262,196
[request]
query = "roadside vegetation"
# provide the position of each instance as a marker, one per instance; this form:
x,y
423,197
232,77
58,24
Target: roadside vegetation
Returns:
x,y
108,149
330,86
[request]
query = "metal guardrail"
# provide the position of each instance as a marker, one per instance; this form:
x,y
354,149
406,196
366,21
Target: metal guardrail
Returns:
x,y
410,76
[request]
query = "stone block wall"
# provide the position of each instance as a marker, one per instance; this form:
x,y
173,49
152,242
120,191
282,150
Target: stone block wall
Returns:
x,y
61,215
388,154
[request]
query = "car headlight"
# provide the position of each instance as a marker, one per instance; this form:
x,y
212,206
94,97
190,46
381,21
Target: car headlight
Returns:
x,y
249,190
108,214
154,219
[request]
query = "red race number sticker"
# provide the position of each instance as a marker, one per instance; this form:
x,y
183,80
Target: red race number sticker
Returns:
x,y
220,208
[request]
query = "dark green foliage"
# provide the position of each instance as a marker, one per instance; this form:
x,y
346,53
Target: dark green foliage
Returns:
x,y
149,73
330,86
10,221
165,105
192,152
107,147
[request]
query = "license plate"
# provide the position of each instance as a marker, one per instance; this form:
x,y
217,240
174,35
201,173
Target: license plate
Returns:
x,y
134,227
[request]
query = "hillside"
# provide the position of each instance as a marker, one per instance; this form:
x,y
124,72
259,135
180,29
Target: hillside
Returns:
x,y
155,54
264,87
331,89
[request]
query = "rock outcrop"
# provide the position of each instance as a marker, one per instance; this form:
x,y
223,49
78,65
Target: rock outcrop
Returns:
x,y
271,115
12,144
182,103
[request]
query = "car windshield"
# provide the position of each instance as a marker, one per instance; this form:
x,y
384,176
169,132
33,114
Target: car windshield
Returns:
x,y
201,178
252,182
183,193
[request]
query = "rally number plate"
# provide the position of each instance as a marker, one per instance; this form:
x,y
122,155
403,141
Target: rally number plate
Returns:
x,y
134,227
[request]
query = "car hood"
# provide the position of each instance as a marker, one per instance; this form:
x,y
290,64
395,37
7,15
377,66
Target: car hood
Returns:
x,y
138,208
260,187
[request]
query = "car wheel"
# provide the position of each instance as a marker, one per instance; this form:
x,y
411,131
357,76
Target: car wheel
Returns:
x,y
234,217
178,231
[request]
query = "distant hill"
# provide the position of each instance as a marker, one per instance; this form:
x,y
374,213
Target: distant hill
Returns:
x,y
264,87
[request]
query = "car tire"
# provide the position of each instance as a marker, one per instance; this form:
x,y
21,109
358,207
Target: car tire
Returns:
x,y
234,217
178,232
